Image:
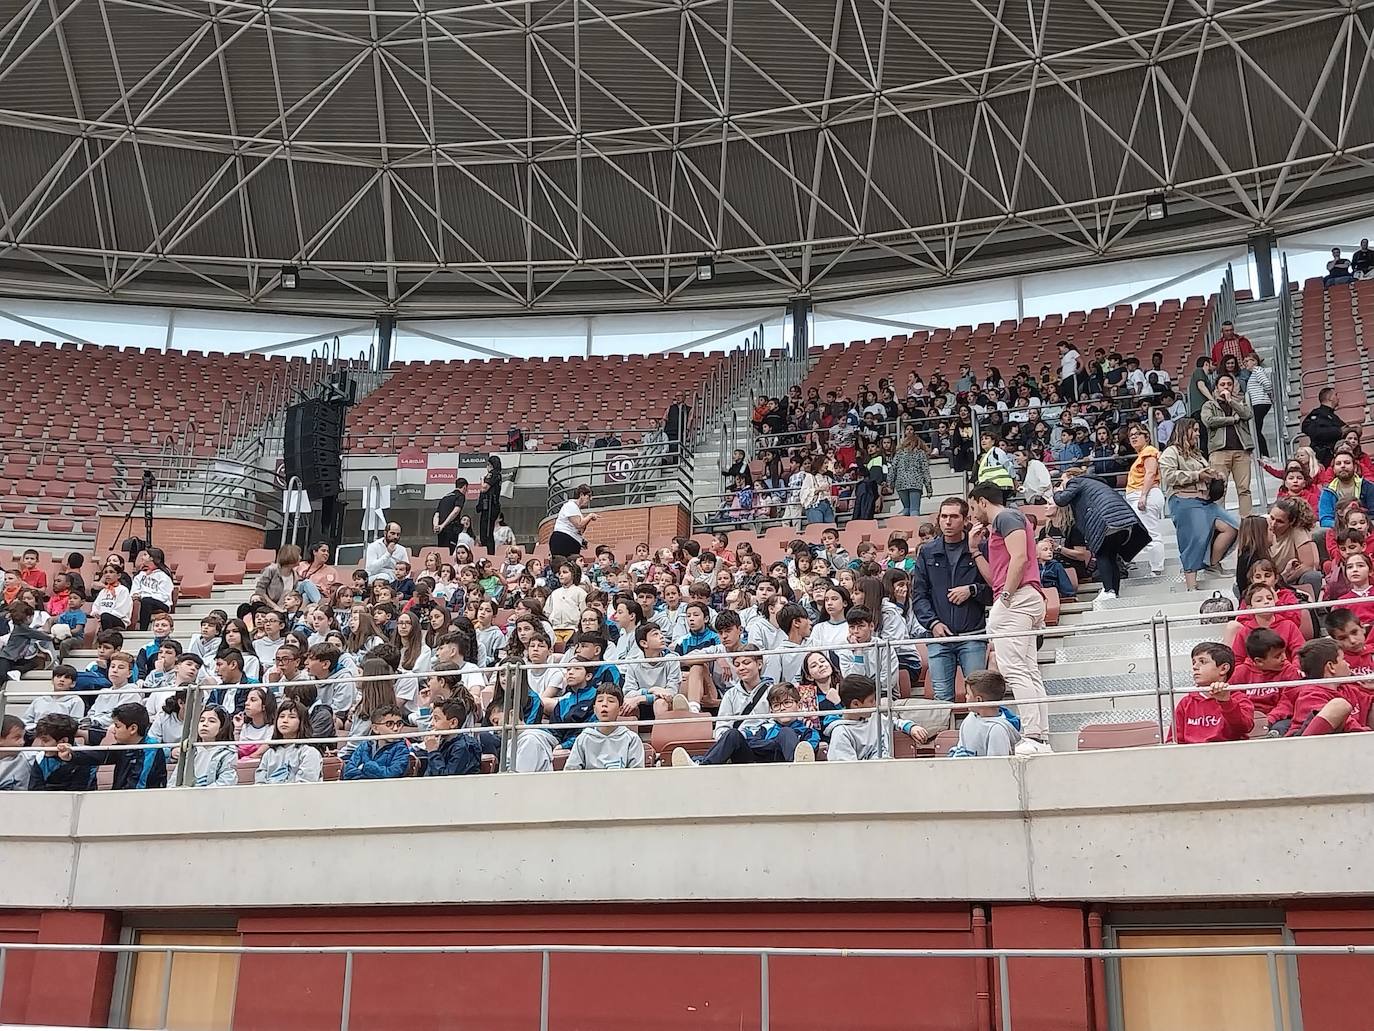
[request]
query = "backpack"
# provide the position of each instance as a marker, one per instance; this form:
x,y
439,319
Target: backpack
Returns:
x,y
1217,603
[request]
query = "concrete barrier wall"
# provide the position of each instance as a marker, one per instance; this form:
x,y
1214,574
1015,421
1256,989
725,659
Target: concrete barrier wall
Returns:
x,y
1254,820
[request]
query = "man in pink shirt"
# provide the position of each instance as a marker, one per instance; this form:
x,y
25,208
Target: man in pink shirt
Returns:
x,y
1011,568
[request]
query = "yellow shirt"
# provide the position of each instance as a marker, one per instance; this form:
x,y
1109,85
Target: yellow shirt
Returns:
x,y
1135,478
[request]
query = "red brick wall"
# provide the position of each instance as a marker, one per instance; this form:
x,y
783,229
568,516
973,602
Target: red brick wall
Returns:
x,y
175,533
623,528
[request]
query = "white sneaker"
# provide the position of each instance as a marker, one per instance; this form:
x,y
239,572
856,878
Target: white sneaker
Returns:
x,y
680,758
804,753
681,703
1030,746
1100,602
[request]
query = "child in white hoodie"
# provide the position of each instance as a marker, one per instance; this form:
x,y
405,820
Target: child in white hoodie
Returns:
x,y
286,760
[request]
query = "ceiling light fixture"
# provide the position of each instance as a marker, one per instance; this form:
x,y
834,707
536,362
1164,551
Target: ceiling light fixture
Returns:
x,y
706,269
290,277
1156,207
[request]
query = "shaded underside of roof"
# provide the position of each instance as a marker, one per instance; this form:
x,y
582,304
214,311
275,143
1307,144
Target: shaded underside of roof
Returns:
x,y
465,157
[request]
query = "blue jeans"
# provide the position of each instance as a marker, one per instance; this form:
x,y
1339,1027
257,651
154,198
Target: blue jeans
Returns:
x,y
821,512
970,656
309,592
911,502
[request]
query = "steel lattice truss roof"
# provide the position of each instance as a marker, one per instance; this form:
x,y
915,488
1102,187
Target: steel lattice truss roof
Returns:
x,y
449,156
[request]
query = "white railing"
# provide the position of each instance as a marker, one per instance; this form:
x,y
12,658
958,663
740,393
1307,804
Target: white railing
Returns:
x,y
1282,965
1160,628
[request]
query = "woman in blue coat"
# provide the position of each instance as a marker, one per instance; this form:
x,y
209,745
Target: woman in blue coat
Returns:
x,y
1112,530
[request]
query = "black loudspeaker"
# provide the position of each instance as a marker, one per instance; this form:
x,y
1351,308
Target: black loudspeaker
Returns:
x,y
314,446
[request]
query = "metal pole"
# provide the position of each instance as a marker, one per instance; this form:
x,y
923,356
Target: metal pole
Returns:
x,y
877,650
544,992
763,991
2,977
510,714
186,766
1154,654
1275,998
1169,661
166,988
1004,992
347,992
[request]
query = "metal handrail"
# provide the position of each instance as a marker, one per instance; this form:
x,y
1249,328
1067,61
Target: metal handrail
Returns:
x,y
1324,373
654,472
717,392
1224,310
1283,356
405,438
1281,962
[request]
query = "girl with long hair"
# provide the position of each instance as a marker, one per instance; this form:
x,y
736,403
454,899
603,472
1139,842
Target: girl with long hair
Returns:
x,y
238,637
255,723
286,760
152,587
416,657
215,758
376,687
819,686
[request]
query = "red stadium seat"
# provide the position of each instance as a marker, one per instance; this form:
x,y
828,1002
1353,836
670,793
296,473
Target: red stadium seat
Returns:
x,y
1117,735
690,730
259,559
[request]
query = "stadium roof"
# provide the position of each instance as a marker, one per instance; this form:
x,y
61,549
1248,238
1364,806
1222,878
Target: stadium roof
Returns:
x,y
456,157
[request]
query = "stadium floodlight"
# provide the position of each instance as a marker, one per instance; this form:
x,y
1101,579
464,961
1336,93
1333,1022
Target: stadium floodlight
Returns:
x,y
706,269
1156,208
290,277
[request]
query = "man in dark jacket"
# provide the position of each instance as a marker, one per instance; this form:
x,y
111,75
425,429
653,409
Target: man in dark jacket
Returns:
x,y
951,599
1323,425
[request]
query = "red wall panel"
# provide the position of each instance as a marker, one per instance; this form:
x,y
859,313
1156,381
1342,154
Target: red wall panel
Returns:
x,y
59,987
612,993
1046,994
19,927
1331,986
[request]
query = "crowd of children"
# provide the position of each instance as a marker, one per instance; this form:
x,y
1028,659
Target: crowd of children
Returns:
x,y
407,673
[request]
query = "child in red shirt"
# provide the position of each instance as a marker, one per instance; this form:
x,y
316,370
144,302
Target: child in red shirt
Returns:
x,y
1314,709
1346,630
1213,712
61,591
1348,542
1258,599
1358,595
1266,662
29,571
1263,571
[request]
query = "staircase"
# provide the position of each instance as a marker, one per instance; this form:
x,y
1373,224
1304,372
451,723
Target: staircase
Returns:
x,y
240,482
735,430
1258,320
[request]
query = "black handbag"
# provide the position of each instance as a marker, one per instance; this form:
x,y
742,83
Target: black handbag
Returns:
x,y
1216,490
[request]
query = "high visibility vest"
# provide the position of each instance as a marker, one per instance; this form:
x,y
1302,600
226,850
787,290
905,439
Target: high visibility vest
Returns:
x,y
992,471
